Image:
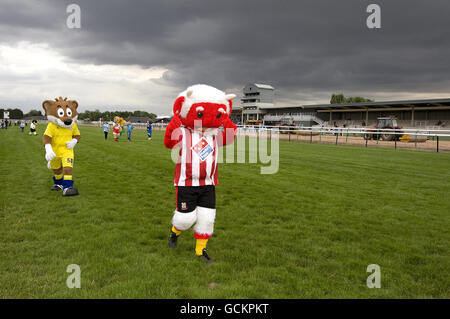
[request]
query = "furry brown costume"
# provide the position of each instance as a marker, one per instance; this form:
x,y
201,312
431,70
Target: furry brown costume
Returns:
x,y
60,138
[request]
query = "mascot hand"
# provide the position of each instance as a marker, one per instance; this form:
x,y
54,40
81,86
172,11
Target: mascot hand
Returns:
x,y
71,144
227,122
169,142
175,123
229,133
49,154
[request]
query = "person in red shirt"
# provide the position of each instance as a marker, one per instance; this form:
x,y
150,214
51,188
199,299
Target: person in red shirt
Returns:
x,y
200,125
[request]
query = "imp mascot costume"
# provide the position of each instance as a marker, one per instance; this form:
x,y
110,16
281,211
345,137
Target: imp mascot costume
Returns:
x,y
118,127
200,125
60,138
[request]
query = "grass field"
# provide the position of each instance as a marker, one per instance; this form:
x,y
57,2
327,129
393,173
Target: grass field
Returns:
x,y
309,231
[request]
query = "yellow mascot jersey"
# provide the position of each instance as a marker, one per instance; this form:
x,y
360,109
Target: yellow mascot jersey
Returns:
x,y
61,135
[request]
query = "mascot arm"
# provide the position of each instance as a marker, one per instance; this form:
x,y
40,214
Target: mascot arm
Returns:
x,y
229,133
49,153
172,136
75,139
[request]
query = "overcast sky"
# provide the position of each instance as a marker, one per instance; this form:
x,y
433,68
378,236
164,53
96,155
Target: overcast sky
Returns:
x,y
141,54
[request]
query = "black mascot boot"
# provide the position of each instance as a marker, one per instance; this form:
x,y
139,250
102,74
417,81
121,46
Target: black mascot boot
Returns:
x,y
204,256
173,240
57,184
56,187
70,191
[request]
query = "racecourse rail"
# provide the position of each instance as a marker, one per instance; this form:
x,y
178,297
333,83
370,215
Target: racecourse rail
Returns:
x,y
429,139
421,139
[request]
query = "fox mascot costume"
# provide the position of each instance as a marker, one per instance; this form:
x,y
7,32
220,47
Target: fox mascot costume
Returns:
x,y
199,113
60,138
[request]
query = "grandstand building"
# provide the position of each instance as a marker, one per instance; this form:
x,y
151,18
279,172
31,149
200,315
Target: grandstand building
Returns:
x,y
257,104
257,98
411,113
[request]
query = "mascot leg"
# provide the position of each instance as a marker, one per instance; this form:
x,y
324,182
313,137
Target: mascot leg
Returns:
x,y
68,189
180,222
57,179
203,230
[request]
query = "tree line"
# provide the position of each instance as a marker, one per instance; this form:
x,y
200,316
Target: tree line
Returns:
x,y
86,115
13,113
340,99
109,116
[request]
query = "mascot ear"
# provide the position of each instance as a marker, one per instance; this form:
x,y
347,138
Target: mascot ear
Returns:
x,y
74,104
229,97
177,105
46,105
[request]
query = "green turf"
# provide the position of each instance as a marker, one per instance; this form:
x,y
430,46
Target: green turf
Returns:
x,y
309,231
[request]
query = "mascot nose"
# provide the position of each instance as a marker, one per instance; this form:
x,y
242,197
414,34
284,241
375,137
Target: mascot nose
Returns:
x,y
68,121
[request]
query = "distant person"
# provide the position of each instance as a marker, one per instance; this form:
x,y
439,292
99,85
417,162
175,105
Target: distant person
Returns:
x,y
129,130
22,126
33,128
6,124
149,130
106,129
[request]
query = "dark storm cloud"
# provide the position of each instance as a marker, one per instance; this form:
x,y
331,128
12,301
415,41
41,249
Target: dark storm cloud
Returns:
x,y
303,48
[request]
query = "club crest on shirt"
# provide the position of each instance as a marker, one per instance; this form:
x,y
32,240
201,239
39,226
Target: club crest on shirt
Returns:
x,y
183,206
203,149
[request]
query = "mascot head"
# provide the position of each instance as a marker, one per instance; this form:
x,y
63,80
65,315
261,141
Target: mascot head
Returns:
x,y
119,120
202,106
61,111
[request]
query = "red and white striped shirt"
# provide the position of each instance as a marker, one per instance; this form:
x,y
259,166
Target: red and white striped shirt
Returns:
x,y
197,160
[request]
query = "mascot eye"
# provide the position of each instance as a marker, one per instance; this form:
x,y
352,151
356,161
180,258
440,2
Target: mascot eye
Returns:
x,y
60,112
199,115
69,112
219,115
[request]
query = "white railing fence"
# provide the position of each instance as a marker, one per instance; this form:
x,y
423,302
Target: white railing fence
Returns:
x,y
358,135
345,130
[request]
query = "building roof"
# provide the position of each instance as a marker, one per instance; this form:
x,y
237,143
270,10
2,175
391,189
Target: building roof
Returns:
x,y
264,86
282,107
433,103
